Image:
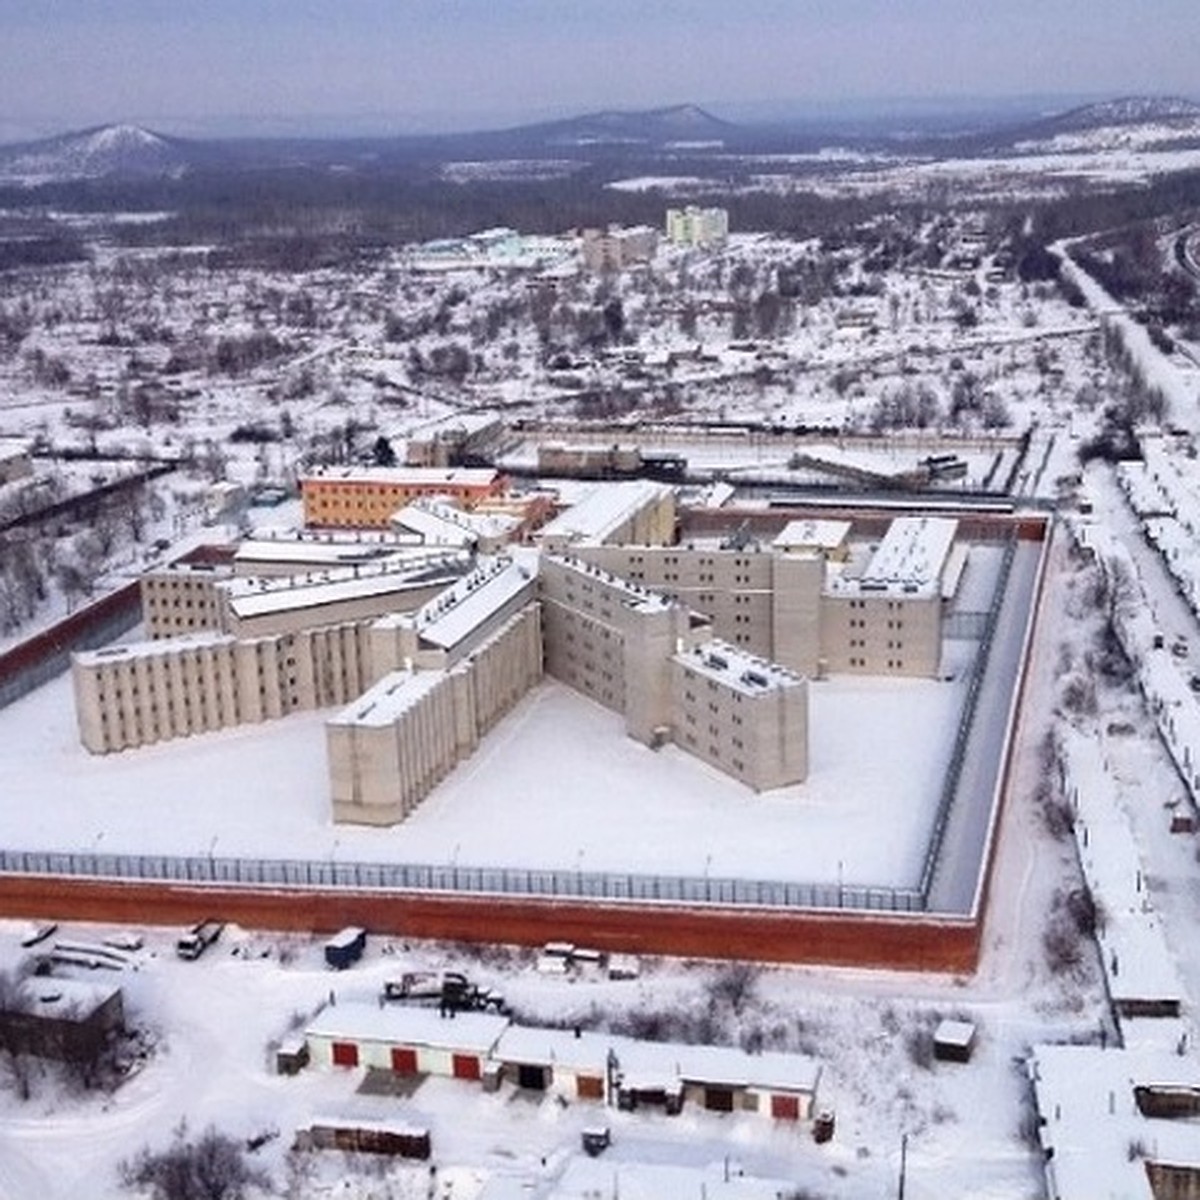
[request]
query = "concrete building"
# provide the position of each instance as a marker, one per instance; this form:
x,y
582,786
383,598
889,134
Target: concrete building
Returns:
x,y
366,497
743,715
613,640
634,511
615,248
393,745
702,227
141,693
885,618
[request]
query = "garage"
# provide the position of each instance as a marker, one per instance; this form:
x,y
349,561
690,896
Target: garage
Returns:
x,y
718,1099
466,1066
589,1087
344,1054
535,1078
404,1060
785,1108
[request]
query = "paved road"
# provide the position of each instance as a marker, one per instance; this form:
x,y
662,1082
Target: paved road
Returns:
x,y
956,877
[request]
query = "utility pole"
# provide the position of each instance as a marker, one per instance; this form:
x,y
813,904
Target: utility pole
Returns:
x,y
903,1164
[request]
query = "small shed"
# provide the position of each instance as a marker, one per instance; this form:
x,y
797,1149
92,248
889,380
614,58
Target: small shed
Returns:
x,y
292,1056
365,1136
953,1041
572,1063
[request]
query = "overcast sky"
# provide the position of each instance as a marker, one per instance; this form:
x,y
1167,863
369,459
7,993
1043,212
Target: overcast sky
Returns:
x,y
404,64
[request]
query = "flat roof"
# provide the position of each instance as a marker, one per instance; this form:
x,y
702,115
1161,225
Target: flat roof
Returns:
x,y
387,701
737,670
406,476
71,999
410,1026
152,648
252,597
602,509
826,534
908,561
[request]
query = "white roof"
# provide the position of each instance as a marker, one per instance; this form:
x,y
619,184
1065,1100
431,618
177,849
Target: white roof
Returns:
x,y
604,508
326,553
65,998
443,524
909,561
155,648
954,1033
1085,1097
399,1024
822,533
406,476
737,670
250,597
653,1063
385,702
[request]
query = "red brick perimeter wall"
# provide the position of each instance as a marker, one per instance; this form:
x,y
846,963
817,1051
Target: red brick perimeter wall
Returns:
x,y
904,942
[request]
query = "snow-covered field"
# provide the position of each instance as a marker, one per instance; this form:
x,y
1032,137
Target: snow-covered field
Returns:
x,y
557,784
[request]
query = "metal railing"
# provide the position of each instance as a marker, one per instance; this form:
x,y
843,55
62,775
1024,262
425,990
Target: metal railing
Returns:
x,y
459,880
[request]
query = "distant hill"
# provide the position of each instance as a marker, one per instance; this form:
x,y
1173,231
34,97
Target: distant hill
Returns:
x,y
654,126
125,150
1130,122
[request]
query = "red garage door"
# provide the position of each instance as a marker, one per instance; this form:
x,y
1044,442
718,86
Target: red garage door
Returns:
x,y
466,1066
345,1054
785,1108
404,1061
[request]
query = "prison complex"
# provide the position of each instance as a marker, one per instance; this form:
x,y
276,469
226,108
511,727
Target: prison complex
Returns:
x,y
424,642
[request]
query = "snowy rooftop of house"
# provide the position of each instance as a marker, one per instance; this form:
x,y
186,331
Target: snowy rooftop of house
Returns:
x,y
909,561
1090,1119
440,523
633,594
406,476
458,611
398,1023
151,648
387,701
73,999
820,533
602,510
735,669
11,447
256,597
1137,960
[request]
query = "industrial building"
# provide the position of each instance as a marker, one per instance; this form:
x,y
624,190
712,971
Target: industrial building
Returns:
x,y
615,248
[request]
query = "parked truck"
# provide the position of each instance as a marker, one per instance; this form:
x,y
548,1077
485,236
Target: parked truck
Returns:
x,y
199,938
344,949
449,990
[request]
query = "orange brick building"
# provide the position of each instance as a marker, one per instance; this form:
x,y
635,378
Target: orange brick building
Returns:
x,y
366,497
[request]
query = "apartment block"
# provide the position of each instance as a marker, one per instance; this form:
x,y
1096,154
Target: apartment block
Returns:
x,y
615,248
741,714
702,227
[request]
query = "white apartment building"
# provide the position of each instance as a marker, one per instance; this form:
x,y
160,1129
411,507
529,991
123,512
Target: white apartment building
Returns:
x,y
693,226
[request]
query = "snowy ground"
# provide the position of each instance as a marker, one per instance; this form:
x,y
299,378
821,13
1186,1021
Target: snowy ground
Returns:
x,y
573,792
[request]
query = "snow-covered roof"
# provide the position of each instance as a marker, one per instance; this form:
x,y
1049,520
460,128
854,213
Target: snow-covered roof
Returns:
x,y
819,533
441,524
735,669
602,510
426,477
308,551
655,1063
909,561
385,702
401,1024
152,648
1091,1124
461,609
72,999
256,597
